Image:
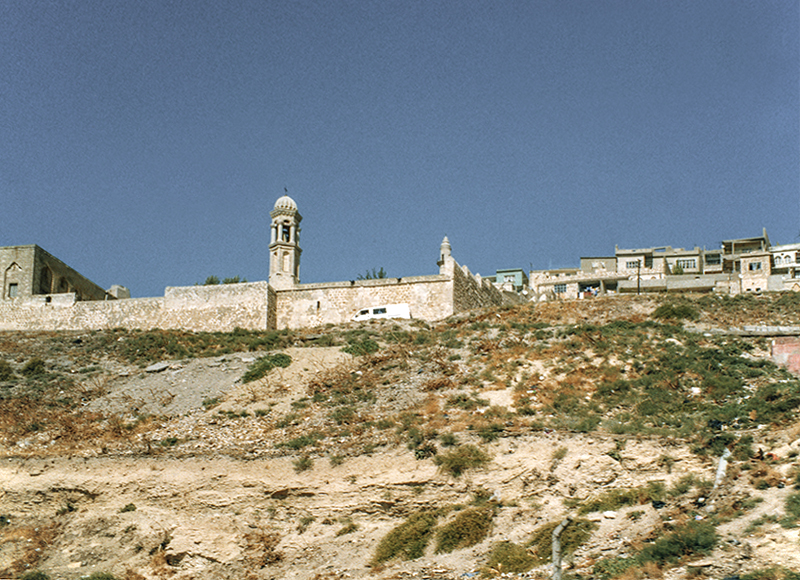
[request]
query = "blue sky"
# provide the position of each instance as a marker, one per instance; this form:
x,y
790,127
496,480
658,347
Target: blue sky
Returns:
x,y
145,142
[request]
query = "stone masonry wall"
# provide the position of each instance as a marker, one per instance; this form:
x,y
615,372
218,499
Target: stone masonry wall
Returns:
x,y
198,308
272,308
469,292
308,305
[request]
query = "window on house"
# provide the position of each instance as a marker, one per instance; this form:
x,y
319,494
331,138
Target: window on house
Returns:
x,y
12,290
560,288
713,259
686,263
632,265
648,261
755,266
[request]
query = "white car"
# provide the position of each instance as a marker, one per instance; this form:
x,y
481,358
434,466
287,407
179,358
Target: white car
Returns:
x,y
387,311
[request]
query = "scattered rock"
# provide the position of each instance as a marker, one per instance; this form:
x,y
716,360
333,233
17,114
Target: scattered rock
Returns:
x,y
157,367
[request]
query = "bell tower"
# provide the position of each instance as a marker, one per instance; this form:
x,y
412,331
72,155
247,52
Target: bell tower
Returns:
x,y
284,246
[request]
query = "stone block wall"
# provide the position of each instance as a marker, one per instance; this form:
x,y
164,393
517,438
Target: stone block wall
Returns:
x,y
272,308
472,292
309,305
198,308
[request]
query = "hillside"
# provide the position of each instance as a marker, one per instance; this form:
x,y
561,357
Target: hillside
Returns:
x,y
402,449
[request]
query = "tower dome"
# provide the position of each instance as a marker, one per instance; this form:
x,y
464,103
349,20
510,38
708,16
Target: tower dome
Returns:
x,y
285,202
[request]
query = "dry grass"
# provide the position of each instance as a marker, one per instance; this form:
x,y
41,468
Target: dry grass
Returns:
x,y
261,548
28,543
63,429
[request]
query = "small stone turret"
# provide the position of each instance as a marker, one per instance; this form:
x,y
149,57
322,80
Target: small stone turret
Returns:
x,y
445,262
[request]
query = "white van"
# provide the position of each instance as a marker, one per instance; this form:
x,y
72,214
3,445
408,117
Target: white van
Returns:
x,y
387,311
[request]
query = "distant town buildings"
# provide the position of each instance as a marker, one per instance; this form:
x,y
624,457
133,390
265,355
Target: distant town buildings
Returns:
x,y
744,265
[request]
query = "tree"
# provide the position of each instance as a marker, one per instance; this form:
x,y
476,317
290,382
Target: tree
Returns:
x,y
373,275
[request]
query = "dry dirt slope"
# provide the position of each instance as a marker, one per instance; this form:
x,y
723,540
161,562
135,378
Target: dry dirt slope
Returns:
x,y
187,472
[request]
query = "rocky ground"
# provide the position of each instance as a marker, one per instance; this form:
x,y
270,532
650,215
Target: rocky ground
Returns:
x,y
160,466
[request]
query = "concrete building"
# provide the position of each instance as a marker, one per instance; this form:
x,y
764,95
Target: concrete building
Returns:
x,y
511,280
785,267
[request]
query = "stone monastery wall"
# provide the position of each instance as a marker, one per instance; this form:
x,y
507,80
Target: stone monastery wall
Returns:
x,y
307,305
471,292
280,303
198,308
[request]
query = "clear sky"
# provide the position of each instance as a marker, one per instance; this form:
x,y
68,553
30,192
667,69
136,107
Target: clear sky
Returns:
x,y
144,143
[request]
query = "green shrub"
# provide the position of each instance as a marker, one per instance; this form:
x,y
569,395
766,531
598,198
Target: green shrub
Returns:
x,y
467,529
408,540
99,576
792,506
303,441
693,538
344,415
672,311
6,372
467,402
303,463
460,459
614,499
127,508
773,573
509,557
265,364
33,367
210,402
348,528
491,432
448,439
361,347
608,568
576,533
286,420
34,575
